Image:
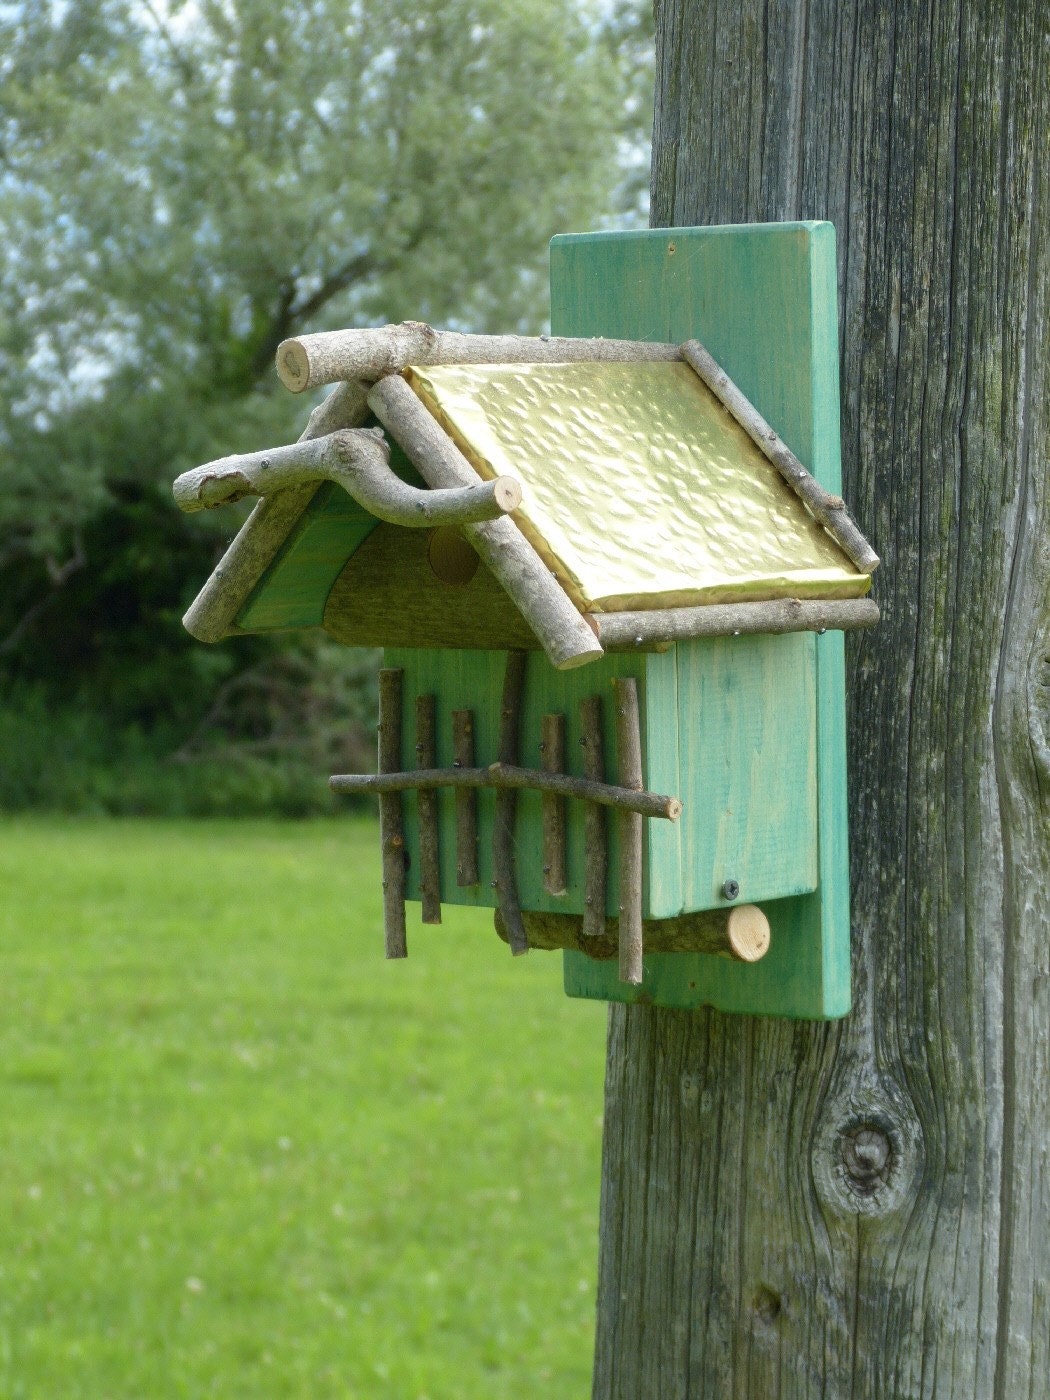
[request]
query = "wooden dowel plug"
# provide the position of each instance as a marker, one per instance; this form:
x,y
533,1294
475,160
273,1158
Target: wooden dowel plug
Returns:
x,y
466,800
391,826
595,840
552,754
427,800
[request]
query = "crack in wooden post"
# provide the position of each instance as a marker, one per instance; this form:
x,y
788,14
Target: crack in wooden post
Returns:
x,y
506,805
595,840
552,757
629,762
391,826
466,800
427,808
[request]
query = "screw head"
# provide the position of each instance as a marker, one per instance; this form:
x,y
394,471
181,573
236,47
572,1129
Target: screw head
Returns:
x,y
730,889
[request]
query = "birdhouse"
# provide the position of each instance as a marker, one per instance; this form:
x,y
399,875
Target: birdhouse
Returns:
x,y
601,580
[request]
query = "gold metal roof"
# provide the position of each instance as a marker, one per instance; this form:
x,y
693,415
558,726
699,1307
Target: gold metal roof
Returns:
x,y
641,491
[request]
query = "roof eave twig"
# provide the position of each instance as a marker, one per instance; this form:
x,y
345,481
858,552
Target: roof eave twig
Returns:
x,y
828,509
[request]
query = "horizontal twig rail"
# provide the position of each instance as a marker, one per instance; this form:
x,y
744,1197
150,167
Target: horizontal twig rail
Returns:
x,y
505,775
358,460
330,356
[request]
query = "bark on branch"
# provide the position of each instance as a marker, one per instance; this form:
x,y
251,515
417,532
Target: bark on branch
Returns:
x,y
507,775
330,356
637,631
358,460
741,933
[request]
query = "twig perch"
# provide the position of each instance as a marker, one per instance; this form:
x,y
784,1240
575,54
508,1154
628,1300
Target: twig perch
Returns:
x,y
552,750
506,775
427,809
330,356
595,836
823,506
629,760
466,800
359,461
636,631
566,637
503,830
391,828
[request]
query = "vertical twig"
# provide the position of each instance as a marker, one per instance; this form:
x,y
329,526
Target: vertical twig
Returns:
x,y
391,828
629,760
552,754
466,800
427,800
595,844
507,806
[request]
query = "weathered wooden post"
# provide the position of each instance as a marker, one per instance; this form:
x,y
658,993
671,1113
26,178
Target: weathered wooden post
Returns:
x,y
795,1209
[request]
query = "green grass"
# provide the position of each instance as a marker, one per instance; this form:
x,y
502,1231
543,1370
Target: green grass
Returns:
x,y
244,1157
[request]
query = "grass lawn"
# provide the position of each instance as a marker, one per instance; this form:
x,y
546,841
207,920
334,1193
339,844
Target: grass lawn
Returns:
x,y
244,1157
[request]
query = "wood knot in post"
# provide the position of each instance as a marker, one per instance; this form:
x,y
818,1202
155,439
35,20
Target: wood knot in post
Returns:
x,y
867,1157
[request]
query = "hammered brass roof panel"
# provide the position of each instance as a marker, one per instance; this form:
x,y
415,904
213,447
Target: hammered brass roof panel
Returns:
x,y
640,490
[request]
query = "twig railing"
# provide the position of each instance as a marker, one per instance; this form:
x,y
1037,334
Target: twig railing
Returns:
x,y
628,797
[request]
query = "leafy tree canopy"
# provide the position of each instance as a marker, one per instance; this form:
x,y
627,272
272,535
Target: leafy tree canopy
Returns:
x,y
182,185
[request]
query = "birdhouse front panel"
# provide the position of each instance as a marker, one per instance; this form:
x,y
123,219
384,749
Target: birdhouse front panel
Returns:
x,y
728,725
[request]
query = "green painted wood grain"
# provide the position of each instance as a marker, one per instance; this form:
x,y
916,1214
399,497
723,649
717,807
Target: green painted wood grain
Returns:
x,y
747,742
762,299
294,589
473,680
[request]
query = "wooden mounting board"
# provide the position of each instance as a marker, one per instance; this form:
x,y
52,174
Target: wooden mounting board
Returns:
x,y
763,300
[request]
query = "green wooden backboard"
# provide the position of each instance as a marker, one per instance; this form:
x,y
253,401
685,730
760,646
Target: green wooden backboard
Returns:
x,y
762,298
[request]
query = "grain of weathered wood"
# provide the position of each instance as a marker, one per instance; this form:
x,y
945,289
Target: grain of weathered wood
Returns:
x,y
595,837
506,805
741,933
860,1210
391,826
466,801
371,353
427,812
388,595
566,637
552,750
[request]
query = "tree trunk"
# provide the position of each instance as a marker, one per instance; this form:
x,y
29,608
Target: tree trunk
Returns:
x,y
863,1209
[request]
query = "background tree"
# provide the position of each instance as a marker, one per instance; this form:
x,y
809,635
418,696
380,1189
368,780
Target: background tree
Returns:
x,y
183,186
863,1209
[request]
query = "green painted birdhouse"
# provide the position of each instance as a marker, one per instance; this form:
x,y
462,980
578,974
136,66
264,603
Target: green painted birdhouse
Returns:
x,y
611,600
